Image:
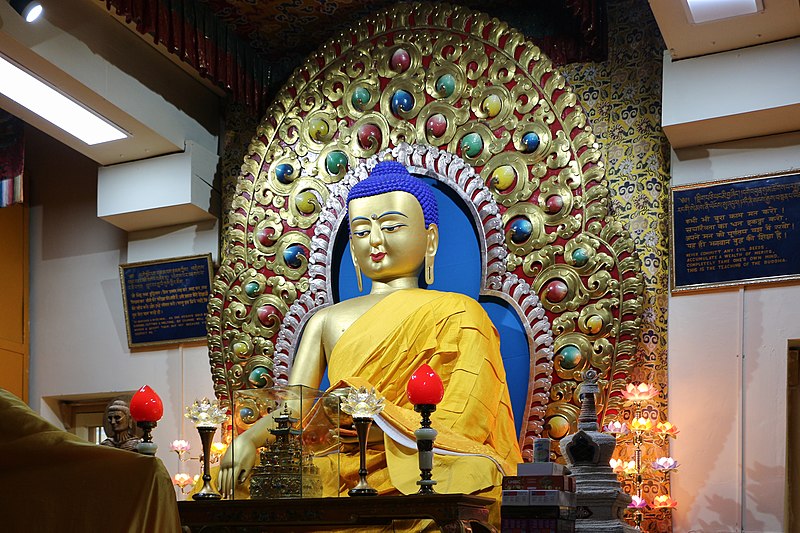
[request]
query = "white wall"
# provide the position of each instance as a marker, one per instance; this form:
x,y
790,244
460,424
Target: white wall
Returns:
x,y
732,447
78,337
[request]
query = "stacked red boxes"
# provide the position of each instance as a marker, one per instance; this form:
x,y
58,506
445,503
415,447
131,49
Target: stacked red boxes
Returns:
x,y
539,499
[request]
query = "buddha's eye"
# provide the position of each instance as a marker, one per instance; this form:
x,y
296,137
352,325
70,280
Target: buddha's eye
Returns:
x,y
392,228
361,233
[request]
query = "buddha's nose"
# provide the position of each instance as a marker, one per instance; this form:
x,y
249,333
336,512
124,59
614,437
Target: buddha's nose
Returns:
x,y
376,237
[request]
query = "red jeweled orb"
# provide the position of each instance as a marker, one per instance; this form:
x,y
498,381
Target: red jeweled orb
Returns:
x,y
146,406
425,387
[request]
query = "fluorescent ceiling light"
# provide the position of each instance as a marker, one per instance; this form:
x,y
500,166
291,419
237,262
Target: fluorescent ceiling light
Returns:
x,y
51,105
708,10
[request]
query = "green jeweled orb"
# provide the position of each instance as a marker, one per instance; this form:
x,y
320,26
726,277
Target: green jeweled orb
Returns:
x,y
335,162
360,98
446,85
471,144
580,256
503,177
570,356
492,105
252,289
258,376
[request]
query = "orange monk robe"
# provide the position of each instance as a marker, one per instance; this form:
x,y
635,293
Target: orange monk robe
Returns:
x,y
477,443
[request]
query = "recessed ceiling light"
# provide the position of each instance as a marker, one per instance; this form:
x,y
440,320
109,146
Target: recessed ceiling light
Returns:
x,y
53,106
709,10
30,10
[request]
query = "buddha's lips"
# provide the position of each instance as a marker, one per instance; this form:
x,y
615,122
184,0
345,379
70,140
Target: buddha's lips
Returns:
x,y
377,257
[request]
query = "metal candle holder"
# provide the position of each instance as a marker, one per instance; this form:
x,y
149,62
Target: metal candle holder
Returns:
x,y
362,405
206,416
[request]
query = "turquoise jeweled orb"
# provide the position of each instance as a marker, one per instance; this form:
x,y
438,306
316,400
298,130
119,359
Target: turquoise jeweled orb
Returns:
x,y
369,136
471,144
360,98
446,85
554,203
258,377
570,356
293,256
503,177
284,173
267,314
492,105
335,162
436,125
520,229
306,201
402,102
252,289
400,60
555,291
530,142
580,256
317,129
264,236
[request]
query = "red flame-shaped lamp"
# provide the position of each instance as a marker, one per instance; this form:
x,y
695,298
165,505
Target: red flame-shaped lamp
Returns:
x,y
425,390
147,409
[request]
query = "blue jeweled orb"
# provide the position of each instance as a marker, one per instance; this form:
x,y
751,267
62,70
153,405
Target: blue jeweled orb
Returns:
x,y
471,144
580,256
335,162
530,142
247,415
360,98
446,85
252,289
258,377
520,229
570,356
402,102
284,173
293,256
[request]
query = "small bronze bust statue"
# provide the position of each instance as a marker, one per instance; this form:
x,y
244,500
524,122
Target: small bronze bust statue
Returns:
x,y
120,426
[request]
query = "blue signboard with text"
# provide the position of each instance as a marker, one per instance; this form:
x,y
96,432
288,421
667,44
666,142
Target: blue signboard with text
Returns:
x,y
736,232
166,301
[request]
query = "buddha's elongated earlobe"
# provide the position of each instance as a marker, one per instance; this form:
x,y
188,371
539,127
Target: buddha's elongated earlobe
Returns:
x,y
428,269
358,269
430,252
358,276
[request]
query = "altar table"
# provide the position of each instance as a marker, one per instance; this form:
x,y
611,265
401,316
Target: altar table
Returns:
x,y
451,512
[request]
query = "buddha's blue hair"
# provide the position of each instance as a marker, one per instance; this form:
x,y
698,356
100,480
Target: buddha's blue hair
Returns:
x,y
390,176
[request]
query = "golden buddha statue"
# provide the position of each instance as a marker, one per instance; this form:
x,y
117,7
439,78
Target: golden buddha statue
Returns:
x,y
379,339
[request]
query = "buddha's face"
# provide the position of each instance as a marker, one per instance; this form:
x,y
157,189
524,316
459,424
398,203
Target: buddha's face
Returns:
x,y
388,238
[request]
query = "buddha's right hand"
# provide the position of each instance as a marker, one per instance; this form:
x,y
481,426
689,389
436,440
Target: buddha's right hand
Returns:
x,y
236,464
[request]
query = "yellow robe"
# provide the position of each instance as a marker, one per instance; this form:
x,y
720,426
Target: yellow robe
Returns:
x,y
477,442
